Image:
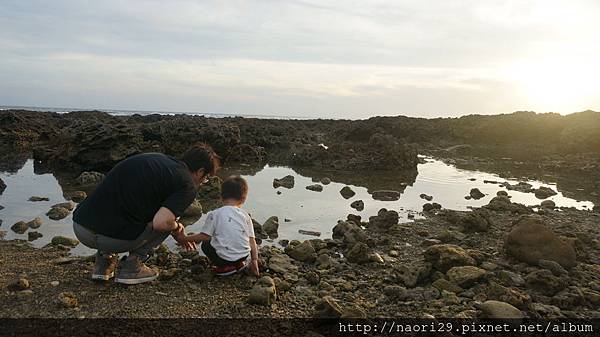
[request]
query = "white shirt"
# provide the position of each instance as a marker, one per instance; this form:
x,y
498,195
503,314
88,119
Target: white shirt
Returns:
x,y
230,228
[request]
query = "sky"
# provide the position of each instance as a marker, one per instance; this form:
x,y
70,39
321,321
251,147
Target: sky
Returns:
x,y
330,59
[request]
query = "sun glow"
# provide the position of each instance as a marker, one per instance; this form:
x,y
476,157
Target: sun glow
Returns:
x,y
558,83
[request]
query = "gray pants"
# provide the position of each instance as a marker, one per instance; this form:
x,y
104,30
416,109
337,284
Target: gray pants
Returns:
x,y
142,246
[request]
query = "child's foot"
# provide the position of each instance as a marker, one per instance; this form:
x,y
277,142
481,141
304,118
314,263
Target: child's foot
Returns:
x,y
230,268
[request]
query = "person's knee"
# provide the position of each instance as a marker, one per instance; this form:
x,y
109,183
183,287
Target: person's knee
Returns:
x,y
85,236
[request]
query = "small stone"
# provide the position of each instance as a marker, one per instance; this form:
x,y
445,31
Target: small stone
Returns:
x,y
386,195
32,236
544,192
286,182
19,227
263,292
496,309
311,233
325,181
67,299
35,223
65,241
69,205
476,194
347,192
358,205
304,252
443,284
58,213
425,197
54,283
19,284
315,187
36,198
90,178
465,276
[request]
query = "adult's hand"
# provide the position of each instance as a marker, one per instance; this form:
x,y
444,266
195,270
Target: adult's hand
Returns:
x,y
181,238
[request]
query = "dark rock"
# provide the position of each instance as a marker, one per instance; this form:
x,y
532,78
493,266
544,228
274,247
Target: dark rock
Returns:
x,y
476,194
445,256
328,308
428,207
354,218
271,226
311,233
474,221
544,192
545,282
383,220
19,227
511,296
58,213
530,241
548,204
286,182
194,210
35,223
90,178
69,205
426,197
65,241
32,236
77,196
502,193
36,198
259,232
359,253
2,186
315,187
443,284
349,232
325,181
552,266
347,192
304,252
19,284
386,195
358,205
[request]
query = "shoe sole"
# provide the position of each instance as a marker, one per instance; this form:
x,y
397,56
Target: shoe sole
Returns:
x,y
136,280
101,277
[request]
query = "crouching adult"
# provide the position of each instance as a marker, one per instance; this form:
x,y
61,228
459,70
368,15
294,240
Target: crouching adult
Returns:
x,y
136,207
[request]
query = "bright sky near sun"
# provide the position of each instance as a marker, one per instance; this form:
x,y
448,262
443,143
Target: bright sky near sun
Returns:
x,y
352,59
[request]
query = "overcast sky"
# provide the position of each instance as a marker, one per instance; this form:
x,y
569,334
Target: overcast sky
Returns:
x,y
322,58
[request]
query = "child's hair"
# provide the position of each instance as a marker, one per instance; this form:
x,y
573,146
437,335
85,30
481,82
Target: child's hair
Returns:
x,y
234,187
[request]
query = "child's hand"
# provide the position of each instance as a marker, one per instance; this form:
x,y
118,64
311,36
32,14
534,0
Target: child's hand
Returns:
x,y
254,267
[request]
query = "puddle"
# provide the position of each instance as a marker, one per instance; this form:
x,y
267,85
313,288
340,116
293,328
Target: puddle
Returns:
x,y
307,210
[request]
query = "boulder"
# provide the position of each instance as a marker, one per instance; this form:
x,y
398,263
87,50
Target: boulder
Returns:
x,y
476,194
315,187
35,223
383,220
65,241
497,310
544,192
386,195
58,213
358,205
286,182
304,252
531,241
90,178
19,227
282,264
32,236
347,192
271,226
465,276
263,292
445,256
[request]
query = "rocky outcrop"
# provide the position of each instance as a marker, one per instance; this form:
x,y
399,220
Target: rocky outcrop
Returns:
x,y
2,186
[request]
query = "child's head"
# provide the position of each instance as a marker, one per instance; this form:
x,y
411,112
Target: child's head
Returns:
x,y
234,188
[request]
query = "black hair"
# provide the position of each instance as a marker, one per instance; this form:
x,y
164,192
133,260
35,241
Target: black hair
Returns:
x,y
202,156
234,187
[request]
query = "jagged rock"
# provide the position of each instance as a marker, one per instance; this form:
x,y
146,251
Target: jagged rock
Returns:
x,y
347,192
359,253
358,205
511,296
411,275
271,226
65,241
36,198
35,223
465,276
383,220
476,194
545,282
19,227
263,292
349,232
445,256
357,219
259,232
425,197
32,236
90,178
286,182
520,186
474,222
77,196
19,284
530,241
428,207
58,213
386,195
548,204
546,310
67,299
496,310
544,192
315,187
304,252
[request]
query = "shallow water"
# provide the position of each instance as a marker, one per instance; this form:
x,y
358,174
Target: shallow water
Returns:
x,y
307,210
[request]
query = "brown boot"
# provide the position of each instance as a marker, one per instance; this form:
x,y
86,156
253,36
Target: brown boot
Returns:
x,y
134,271
105,266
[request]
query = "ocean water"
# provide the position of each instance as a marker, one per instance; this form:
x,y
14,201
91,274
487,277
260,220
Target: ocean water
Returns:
x,y
305,209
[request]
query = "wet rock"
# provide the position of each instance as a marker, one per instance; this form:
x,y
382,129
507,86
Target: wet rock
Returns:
x,y
503,204
325,181
386,195
304,252
552,266
259,232
315,187
476,194
2,186
19,284
311,233
271,226
530,241
263,292
286,182
347,192
36,198
425,197
32,236
77,196
67,299
428,207
19,227
358,205
445,256
548,204
359,253
465,276
349,232
496,310
65,241
90,178
544,192
520,186
58,213
35,223
383,220
545,282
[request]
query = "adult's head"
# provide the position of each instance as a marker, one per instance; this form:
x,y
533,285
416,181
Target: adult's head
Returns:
x,y
202,161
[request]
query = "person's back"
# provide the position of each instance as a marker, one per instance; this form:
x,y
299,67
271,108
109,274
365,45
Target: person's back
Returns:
x,y
132,192
230,228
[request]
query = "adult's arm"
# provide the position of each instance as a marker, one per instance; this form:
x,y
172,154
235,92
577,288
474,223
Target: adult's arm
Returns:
x,y
164,220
